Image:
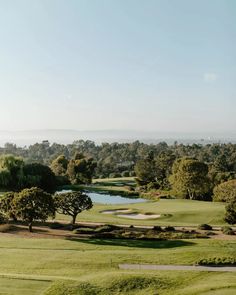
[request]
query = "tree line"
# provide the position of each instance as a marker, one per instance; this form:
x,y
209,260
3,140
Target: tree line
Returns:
x,y
119,159
16,173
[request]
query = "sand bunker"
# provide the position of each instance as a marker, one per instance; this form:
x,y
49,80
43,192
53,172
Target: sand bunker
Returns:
x,y
139,216
116,211
127,213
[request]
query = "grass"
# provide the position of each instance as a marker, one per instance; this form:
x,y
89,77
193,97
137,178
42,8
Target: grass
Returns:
x,y
173,212
16,286
123,180
90,266
109,185
69,263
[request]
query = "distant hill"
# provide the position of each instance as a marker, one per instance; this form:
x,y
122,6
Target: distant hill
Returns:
x,y
28,137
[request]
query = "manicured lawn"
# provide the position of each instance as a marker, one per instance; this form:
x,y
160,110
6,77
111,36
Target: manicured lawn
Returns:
x,y
16,286
173,212
96,262
90,266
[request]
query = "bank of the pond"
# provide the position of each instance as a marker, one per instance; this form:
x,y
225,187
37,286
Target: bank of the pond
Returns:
x,y
108,199
112,190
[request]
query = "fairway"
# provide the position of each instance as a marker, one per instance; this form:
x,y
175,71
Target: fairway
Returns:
x,y
173,212
14,286
96,262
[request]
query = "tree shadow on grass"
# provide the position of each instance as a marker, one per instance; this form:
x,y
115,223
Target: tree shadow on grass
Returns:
x,y
134,243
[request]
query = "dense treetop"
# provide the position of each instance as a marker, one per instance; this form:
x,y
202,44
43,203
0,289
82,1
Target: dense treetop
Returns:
x,y
120,158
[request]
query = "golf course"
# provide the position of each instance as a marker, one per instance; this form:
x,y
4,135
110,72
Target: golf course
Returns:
x,y
51,262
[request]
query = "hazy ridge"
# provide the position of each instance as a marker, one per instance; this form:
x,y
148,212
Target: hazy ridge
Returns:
x,y
28,137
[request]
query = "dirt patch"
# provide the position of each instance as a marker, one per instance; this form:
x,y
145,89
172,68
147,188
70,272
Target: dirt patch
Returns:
x,y
42,232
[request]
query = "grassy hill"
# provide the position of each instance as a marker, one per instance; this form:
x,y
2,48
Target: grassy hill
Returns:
x,y
31,266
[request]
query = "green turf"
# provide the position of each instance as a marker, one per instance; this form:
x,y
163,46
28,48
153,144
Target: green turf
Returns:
x,y
173,212
96,262
14,286
90,267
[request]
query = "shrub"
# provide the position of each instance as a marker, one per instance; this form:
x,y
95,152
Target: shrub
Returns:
x,y
153,186
4,228
157,228
131,234
56,225
210,233
169,228
166,196
114,175
125,174
227,230
83,230
106,228
214,261
205,227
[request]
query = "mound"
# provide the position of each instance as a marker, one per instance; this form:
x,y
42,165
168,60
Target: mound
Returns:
x,y
71,288
130,284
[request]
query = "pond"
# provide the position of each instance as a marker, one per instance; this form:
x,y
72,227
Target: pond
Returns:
x,y
108,199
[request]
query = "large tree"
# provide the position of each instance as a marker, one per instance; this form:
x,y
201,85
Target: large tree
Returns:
x,y
38,175
59,165
80,169
6,205
189,178
145,170
72,203
230,215
11,171
33,204
225,192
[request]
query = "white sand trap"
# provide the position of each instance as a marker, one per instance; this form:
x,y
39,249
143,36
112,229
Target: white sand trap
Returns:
x,y
116,211
139,216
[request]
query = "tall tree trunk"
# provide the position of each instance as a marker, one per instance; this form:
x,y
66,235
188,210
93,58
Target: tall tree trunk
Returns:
x,y
74,219
30,226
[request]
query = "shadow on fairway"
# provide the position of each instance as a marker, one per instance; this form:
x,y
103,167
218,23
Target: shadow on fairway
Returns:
x,y
134,243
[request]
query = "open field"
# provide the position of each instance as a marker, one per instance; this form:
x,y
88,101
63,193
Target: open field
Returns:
x,y
95,262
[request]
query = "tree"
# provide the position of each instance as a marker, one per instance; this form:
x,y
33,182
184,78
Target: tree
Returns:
x,y
59,165
230,215
145,170
80,169
189,178
225,192
6,205
3,218
72,203
33,204
164,162
38,175
11,171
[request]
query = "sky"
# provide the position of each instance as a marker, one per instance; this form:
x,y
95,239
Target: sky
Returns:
x,y
150,65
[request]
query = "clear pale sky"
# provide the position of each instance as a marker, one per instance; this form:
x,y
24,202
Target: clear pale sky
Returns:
x,y
165,65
